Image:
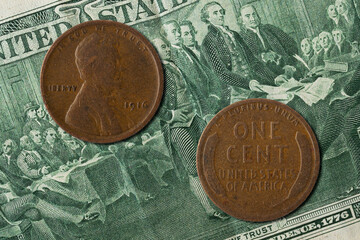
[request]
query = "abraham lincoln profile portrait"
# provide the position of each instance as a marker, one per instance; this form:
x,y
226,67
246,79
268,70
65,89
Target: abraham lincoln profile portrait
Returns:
x,y
95,108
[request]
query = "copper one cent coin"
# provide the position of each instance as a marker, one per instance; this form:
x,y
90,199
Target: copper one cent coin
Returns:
x,y
258,160
102,81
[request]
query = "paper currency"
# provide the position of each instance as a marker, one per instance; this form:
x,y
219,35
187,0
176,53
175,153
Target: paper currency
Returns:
x,y
57,187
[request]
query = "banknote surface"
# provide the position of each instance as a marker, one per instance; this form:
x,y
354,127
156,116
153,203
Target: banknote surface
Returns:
x,y
300,52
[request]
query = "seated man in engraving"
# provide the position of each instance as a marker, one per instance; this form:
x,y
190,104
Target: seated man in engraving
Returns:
x,y
33,165
306,49
181,123
94,109
14,208
8,154
9,167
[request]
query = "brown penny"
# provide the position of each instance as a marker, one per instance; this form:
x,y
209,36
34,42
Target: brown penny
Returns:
x,y
102,81
258,160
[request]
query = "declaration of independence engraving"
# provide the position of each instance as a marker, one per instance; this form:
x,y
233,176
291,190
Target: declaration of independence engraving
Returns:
x,y
303,53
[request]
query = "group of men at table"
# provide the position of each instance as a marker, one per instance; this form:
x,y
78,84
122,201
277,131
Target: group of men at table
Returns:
x,y
201,79
44,148
41,152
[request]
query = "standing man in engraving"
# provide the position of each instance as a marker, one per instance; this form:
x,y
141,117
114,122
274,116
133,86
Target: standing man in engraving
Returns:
x,y
181,123
341,45
199,78
333,19
188,33
268,43
349,19
228,55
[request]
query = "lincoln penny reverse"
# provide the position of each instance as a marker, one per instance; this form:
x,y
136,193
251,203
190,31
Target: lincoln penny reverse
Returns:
x,y
258,160
102,81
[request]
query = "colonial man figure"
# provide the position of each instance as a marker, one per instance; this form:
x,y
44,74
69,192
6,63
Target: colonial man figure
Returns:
x,y
200,78
306,55
341,45
333,19
326,42
316,59
188,35
181,123
8,166
32,121
228,55
30,161
52,160
349,20
8,155
55,146
268,43
72,143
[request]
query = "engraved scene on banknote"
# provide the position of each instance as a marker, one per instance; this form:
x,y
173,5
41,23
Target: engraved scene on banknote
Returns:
x,y
303,53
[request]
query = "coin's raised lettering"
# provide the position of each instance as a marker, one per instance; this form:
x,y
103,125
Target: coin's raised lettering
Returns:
x,y
62,88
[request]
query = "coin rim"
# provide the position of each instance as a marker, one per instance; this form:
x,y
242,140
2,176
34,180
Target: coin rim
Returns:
x,y
240,215
141,124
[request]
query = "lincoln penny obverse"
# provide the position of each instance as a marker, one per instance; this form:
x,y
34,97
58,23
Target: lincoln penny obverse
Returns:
x,y
258,160
102,81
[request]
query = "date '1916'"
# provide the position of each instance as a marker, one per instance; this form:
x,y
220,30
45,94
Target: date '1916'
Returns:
x,y
136,105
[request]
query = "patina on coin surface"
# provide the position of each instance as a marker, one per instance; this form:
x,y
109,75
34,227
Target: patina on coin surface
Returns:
x,y
258,160
102,81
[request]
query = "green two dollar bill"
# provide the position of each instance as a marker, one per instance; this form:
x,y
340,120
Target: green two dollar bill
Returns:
x,y
303,53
